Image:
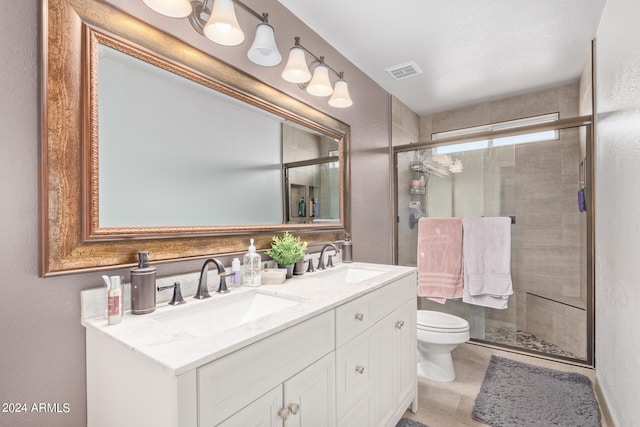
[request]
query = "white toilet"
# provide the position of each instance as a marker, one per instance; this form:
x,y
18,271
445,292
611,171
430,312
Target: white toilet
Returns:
x,y
438,334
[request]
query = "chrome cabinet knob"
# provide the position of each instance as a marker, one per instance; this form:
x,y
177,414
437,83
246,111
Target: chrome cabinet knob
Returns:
x,y
294,408
399,324
359,316
360,369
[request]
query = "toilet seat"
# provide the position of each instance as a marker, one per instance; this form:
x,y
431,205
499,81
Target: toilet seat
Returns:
x,y
436,321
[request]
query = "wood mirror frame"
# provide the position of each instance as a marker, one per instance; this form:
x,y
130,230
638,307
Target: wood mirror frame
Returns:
x,y
65,167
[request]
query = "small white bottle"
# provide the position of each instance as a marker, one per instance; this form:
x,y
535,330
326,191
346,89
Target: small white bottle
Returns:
x,y
235,269
114,301
252,267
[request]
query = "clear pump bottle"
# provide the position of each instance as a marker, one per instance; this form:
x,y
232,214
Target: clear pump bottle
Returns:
x,y
252,267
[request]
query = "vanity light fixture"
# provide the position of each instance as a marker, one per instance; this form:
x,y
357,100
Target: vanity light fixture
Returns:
x,y
220,25
340,97
318,84
171,8
264,50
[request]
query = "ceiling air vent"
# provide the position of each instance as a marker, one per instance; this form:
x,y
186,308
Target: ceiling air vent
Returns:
x,y
404,70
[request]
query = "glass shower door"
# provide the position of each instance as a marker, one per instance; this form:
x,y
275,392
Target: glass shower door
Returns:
x,y
537,184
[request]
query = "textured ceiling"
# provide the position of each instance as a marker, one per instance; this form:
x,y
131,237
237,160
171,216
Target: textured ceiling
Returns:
x,y
469,50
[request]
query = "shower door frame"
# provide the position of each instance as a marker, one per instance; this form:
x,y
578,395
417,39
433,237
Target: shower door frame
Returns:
x,y
568,123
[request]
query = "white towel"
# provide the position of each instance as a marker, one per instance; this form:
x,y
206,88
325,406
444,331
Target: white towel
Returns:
x,y
486,252
440,258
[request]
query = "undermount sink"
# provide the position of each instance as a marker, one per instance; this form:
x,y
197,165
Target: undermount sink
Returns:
x,y
217,315
349,274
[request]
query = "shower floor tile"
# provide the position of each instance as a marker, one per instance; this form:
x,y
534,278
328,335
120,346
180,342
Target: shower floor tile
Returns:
x,y
521,339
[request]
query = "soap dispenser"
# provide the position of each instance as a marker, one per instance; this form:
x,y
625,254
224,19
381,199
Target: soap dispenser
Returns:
x,y
347,249
252,267
143,286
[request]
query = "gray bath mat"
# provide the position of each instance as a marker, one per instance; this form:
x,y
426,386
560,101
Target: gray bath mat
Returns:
x,y
517,394
406,422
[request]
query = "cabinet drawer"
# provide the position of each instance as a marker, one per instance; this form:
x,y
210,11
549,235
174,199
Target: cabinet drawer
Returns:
x,y
353,318
354,371
392,296
230,383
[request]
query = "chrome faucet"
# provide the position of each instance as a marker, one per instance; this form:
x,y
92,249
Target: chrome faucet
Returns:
x,y
321,265
203,291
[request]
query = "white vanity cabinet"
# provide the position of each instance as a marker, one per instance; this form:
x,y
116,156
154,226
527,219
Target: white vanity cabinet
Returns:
x,y
348,362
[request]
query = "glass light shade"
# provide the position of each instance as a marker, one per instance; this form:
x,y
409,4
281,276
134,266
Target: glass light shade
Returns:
x,y
170,8
264,50
320,85
340,97
223,27
296,70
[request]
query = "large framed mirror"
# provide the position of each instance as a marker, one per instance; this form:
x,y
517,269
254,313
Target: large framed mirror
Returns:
x,y
148,143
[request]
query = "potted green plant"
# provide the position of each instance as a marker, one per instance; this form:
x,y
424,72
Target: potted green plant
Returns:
x,y
286,250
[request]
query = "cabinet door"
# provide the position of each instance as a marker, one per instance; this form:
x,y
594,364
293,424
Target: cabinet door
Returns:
x,y
396,366
310,395
354,371
404,349
262,412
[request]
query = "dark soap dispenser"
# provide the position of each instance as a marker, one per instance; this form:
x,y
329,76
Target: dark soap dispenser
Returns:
x,y
143,286
347,249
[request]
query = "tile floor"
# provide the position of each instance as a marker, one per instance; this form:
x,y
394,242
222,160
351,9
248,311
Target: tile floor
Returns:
x,y
450,404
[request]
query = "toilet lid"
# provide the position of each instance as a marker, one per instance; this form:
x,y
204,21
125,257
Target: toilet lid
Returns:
x,y
436,320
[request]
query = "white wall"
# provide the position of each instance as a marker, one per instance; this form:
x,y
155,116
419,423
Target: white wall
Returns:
x,y
617,212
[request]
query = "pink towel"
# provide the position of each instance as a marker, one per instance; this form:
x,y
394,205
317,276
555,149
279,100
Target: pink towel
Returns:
x,y
487,261
440,258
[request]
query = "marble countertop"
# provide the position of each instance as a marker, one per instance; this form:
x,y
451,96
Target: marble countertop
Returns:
x,y
177,350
